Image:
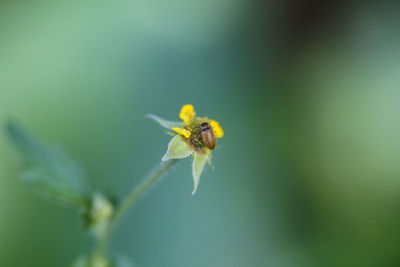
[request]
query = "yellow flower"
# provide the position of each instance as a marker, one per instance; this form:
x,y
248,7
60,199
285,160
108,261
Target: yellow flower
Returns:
x,y
196,136
191,123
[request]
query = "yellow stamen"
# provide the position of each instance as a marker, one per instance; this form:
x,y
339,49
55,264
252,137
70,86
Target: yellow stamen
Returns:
x,y
181,131
218,132
187,113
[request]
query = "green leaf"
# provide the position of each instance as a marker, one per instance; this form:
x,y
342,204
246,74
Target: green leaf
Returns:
x,y
48,170
177,149
164,123
199,161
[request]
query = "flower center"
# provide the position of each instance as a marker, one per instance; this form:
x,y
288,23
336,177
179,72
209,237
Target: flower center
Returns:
x,y
196,126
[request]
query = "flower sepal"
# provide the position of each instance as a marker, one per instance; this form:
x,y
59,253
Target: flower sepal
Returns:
x,y
198,163
165,123
177,149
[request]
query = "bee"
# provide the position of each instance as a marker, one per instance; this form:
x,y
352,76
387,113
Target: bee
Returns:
x,y
208,136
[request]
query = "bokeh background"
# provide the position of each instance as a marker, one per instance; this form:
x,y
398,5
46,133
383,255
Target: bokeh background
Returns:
x,y
307,174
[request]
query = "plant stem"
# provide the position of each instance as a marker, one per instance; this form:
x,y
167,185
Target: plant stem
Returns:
x,y
130,200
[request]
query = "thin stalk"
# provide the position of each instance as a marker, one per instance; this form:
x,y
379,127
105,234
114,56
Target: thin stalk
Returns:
x,y
129,201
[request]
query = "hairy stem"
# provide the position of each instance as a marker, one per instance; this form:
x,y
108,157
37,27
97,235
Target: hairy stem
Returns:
x,y
130,200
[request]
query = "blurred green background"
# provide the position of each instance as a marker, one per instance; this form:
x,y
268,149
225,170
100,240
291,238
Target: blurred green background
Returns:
x,y
307,174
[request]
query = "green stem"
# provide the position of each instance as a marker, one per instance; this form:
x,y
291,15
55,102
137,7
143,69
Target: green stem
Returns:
x,y
130,200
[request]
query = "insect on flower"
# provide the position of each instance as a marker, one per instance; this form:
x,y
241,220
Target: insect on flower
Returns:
x,y
193,136
208,136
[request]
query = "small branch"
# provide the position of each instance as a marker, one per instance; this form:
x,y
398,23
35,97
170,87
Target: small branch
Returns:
x,y
129,201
